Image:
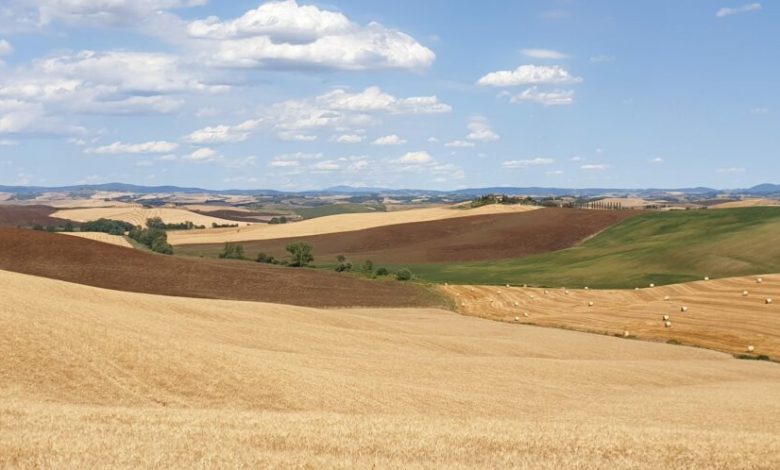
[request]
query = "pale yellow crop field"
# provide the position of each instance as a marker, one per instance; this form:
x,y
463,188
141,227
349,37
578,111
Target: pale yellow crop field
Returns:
x,y
137,215
117,240
96,378
750,202
728,315
336,223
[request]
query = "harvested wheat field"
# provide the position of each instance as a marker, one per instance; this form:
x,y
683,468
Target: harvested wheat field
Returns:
x,y
92,377
750,202
137,215
475,238
117,240
727,315
99,264
336,224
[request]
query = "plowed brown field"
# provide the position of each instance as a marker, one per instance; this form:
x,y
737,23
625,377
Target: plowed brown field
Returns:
x,y
476,238
27,216
100,264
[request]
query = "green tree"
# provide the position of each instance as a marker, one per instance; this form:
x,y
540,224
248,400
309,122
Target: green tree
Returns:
x,y
382,272
232,251
404,274
301,254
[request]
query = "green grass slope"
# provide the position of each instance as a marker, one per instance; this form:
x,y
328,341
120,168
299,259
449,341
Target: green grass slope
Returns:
x,y
660,248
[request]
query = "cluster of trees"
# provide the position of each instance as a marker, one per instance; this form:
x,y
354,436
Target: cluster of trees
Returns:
x,y
216,225
110,226
278,220
301,255
67,227
153,236
187,225
600,205
487,199
367,269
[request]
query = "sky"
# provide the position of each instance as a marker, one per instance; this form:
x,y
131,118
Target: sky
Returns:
x,y
296,95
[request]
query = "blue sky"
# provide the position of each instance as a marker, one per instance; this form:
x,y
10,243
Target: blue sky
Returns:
x,y
434,94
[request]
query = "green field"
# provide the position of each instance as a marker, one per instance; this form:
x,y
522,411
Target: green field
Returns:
x,y
334,209
660,248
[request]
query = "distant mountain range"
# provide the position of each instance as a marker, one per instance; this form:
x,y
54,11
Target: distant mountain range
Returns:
x,y
760,190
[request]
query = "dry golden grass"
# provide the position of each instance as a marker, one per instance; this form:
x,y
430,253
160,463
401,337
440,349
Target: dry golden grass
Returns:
x,y
750,202
117,240
96,378
718,315
137,215
335,224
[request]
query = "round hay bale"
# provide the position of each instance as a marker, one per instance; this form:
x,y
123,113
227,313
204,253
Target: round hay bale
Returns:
x,y
750,348
683,309
525,314
507,286
759,280
652,285
768,301
625,334
668,324
706,278
666,317
590,304
745,293
515,303
586,287
667,297
517,318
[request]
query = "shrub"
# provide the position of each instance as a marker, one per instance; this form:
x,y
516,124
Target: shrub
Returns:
x,y
264,258
232,251
382,272
301,254
404,274
343,265
368,267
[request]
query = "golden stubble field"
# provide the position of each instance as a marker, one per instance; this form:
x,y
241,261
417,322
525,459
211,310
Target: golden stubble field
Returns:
x,y
137,215
335,224
727,315
117,240
97,378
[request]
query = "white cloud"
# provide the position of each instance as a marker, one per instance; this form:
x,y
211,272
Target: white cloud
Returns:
x,y
479,130
433,140
724,12
602,59
595,167
373,99
544,54
554,172
121,148
283,34
657,160
529,75
546,98
216,135
416,158
204,154
526,163
5,47
388,140
459,144
296,137
731,170
348,139
326,165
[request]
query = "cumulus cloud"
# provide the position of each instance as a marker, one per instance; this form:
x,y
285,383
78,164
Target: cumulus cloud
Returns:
x,y
121,148
416,158
336,110
479,130
544,54
101,12
388,140
203,155
750,7
546,98
530,75
731,170
657,160
348,139
595,167
526,163
5,47
459,144
284,34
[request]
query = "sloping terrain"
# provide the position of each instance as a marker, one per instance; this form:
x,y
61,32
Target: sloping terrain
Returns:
x,y
659,248
96,378
336,224
476,238
117,240
718,314
138,215
750,202
99,264
27,216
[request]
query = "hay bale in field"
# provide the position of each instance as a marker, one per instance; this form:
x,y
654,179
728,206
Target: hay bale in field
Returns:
x,y
759,280
517,318
667,297
750,348
525,314
652,285
745,293
666,317
508,286
668,324
586,287
625,334
768,301
515,303
706,278
683,309
590,304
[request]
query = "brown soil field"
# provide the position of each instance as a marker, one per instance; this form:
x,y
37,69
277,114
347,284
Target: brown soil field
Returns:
x,y
337,224
477,238
718,316
100,264
27,216
92,378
